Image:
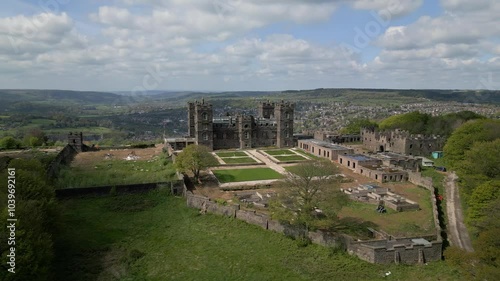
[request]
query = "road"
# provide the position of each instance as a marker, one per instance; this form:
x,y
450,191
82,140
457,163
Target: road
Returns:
x,y
457,232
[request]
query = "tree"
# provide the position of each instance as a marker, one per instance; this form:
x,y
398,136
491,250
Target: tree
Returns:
x,y
9,143
355,126
464,137
195,158
310,196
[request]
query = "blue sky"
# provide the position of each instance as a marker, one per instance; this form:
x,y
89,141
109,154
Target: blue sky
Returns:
x,y
218,45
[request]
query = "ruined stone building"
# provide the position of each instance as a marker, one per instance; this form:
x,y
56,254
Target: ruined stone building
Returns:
x,y
272,127
402,142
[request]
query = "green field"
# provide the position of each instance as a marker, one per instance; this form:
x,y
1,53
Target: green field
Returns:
x,y
155,237
307,154
279,152
239,175
294,157
231,154
399,224
239,160
116,172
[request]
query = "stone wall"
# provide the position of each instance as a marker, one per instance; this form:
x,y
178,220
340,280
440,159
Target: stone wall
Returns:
x,y
205,204
398,251
176,186
417,179
64,157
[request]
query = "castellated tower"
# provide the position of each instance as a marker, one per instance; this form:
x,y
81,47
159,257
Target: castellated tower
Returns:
x,y
245,131
266,110
201,126
283,112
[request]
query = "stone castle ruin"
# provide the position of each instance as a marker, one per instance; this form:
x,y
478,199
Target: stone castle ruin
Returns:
x,y
272,127
402,142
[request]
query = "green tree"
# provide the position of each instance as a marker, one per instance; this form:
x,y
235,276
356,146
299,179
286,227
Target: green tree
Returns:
x,y
480,203
9,143
37,215
464,137
310,196
355,126
195,158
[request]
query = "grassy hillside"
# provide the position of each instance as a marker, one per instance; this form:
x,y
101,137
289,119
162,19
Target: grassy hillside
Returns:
x,y
155,237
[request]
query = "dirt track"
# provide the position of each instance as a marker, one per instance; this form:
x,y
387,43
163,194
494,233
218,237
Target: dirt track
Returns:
x,y
457,232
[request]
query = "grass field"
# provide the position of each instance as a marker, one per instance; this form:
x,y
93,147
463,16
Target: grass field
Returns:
x,y
279,152
93,169
399,224
239,175
231,154
307,154
294,157
239,160
155,237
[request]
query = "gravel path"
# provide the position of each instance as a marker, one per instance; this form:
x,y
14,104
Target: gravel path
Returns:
x,y
457,231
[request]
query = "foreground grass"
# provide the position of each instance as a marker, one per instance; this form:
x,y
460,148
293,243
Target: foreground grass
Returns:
x,y
156,237
239,175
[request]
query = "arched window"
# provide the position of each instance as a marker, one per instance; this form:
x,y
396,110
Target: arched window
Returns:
x,y
204,116
204,136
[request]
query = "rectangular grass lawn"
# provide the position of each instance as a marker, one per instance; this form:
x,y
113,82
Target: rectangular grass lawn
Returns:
x,y
230,154
290,158
239,160
239,175
279,152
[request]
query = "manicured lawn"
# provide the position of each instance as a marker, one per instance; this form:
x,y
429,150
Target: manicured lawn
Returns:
x,y
155,237
290,158
279,152
411,223
238,175
238,160
307,154
231,154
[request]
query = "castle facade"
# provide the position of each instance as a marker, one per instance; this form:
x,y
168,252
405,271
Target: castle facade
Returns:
x,y
272,127
401,142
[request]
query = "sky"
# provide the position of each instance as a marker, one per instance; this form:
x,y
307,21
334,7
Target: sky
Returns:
x,y
249,45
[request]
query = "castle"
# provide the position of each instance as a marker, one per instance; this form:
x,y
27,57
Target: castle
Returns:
x,y
272,127
401,142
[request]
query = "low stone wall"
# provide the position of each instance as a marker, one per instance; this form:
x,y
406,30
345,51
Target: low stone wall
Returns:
x,y
64,157
105,190
205,204
385,252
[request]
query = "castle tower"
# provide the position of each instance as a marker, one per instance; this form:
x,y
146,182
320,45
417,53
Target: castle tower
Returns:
x,y
283,112
245,131
266,110
191,123
76,141
203,124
